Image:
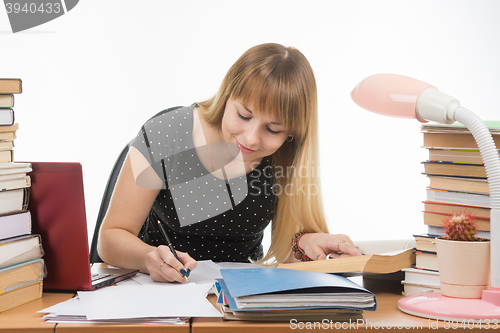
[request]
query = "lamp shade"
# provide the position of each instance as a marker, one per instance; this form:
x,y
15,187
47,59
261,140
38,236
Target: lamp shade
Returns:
x,y
390,94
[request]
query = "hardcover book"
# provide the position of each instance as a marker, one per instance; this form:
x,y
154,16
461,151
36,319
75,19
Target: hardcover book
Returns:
x,y
470,185
14,200
6,117
10,86
16,224
454,140
21,295
437,220
18,249
454,169
446,208
6,101
19,275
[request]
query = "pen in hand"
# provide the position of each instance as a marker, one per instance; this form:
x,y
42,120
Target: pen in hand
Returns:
x,y
169,243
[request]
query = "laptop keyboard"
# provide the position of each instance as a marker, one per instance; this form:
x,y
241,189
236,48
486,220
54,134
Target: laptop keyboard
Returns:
x,y
97,276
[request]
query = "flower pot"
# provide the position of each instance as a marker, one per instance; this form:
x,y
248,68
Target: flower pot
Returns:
x,y
464,267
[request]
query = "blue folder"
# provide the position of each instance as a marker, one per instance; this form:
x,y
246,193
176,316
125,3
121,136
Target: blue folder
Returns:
x,y
257,281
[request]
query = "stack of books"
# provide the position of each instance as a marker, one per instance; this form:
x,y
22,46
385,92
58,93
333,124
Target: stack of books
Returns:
x,y
285,295
424,276
457,176
21,267
8,127
457,183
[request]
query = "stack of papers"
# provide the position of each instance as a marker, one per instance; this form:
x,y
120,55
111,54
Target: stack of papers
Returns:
x,y
141,300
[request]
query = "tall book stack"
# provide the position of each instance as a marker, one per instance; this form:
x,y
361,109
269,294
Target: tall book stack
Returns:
x,y
21,267
457,176
457,183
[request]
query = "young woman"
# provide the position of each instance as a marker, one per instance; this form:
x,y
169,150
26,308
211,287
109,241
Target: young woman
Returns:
x,y
216,173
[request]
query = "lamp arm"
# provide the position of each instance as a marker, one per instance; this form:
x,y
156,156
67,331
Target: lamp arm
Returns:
x,y
491,161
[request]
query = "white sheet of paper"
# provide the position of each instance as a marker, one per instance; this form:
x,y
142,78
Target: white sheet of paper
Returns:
x,y
168,300
70,307
126,300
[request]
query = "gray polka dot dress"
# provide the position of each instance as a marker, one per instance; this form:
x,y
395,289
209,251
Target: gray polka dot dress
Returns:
x,y
205,216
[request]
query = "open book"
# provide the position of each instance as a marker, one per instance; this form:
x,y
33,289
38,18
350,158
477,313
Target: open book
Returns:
x,y
381,257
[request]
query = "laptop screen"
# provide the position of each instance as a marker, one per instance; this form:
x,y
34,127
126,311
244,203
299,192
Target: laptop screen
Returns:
x,y
57,206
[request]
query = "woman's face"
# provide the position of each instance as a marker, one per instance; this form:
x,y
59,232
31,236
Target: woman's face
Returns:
x,y
256,134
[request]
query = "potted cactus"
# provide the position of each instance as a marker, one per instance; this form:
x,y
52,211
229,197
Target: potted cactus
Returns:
x,y
463,258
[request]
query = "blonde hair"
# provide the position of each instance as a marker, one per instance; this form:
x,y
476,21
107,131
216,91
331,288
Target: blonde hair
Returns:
x,y
279,80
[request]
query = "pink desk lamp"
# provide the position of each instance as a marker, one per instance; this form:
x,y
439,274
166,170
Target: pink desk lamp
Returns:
x,y
401,96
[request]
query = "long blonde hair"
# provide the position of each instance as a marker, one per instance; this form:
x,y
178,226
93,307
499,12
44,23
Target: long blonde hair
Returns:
x,y
279,80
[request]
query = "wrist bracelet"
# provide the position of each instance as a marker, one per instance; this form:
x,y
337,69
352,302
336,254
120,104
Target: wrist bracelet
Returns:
x,y
298,253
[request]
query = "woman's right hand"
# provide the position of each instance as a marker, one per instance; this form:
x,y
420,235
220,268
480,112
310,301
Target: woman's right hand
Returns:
x,y
163,267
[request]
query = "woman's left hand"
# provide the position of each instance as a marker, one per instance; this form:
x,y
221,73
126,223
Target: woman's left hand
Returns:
x,y
318,246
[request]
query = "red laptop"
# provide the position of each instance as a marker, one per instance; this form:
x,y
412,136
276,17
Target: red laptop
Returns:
x,y
57,206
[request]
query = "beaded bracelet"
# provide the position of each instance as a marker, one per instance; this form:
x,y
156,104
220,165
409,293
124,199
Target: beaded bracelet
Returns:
x,y
298,253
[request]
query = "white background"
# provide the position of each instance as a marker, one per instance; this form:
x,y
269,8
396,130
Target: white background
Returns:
x,y
94,75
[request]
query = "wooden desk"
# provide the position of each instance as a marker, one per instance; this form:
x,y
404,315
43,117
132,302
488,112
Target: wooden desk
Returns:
x,y
25,318
114,328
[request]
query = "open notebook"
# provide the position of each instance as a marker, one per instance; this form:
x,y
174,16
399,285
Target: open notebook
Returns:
x,y
57,205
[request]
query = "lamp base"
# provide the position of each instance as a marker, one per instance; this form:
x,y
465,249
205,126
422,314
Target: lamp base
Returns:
x,y
433,305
